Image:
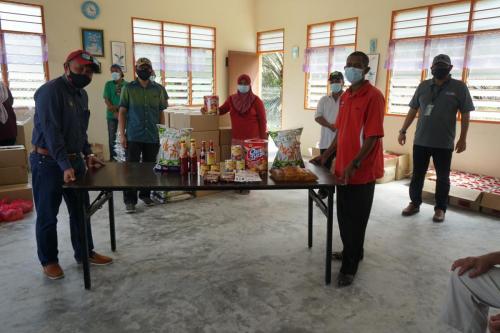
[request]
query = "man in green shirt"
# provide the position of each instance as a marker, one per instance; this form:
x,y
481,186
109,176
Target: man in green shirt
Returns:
x,y
141,109
112,92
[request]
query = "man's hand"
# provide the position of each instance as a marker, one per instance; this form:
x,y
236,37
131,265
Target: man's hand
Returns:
x,y
93,162
402,138
348,173
69,175
316,160
461,146
494,324
475,265
333,128
123,140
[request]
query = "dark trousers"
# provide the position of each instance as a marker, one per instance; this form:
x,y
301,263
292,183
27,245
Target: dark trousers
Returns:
x,y
112,129
149,151
8,142
442,163
354,204
48,192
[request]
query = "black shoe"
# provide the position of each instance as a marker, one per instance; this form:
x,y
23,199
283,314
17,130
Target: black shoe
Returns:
x,y
130,208
344,280
148,202
338,256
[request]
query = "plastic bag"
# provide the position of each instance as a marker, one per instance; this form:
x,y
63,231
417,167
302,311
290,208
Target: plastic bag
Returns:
x,y
170,143
288,143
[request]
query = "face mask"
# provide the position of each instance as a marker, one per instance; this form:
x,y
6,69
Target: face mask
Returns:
x,y
144,74
152,77
335,88
441,73
354,75
79,80
243,88
116,76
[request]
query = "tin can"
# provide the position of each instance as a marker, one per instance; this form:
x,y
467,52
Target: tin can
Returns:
x,y
211,104
236,152
230,165
256,155
240,165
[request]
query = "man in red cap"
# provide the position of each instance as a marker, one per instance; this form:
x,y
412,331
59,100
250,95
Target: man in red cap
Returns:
x,y
61,152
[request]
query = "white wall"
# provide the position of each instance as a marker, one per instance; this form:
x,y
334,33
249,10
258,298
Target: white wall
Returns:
x,y
374,21
233,20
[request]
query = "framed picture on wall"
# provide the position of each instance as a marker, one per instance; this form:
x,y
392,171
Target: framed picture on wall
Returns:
x,y
93,41
118,55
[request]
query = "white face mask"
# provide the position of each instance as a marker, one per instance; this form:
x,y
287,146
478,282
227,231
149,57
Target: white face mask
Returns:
x,y
353,74
116,76
335,88
243,88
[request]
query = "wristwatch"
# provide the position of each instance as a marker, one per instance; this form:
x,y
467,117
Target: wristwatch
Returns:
x,y
401,131
356,164
89,155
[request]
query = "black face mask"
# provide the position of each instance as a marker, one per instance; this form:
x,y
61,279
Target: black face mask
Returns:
x,y
79,80
143,74
441,73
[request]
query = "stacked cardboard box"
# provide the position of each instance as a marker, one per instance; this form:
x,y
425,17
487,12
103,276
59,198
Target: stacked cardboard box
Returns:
x,y
14,173
225,142
396,167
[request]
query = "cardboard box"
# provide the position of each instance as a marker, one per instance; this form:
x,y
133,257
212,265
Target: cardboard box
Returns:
x,y
465,204
489,211
491,201
226,136
14,175
389,175
17,191
390,160
314,152
12,156
217,153
225,152
24,132
166,113
195,120
458,197
206,136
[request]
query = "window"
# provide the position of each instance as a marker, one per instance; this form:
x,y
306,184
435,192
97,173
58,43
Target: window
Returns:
x,y
270,46
23,51
328,46
468,31
183,57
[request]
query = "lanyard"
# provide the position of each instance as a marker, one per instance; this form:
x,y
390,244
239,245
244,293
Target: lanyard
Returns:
x,y
435,94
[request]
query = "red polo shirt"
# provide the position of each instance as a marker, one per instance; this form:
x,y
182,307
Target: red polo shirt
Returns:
x,y
361,115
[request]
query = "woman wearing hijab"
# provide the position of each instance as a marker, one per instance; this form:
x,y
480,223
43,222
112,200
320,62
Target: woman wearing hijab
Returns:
x,y
8,126
247,111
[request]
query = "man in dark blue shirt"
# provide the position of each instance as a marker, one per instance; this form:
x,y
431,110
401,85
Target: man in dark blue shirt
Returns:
x,y
59,140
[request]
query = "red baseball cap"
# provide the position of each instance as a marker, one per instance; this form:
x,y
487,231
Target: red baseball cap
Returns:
x,y
84,58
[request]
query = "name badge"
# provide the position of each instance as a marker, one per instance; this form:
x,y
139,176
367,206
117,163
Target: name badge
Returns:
x,y
428,110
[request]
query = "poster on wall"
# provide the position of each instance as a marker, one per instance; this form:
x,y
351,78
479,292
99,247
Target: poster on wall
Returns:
x,y
372,74
93,41
118,55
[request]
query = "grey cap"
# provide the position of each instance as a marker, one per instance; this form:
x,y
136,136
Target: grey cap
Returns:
x,y
335,76
441,59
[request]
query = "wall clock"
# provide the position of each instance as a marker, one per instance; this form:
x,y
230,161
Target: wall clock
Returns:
x,y
90,9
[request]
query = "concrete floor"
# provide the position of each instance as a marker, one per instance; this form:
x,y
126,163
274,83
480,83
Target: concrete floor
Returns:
x,y
227,263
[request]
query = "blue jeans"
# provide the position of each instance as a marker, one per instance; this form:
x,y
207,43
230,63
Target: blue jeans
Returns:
x,y
48,180
112,129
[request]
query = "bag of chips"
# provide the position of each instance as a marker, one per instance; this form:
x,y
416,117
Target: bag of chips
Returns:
x,y
170,143
288,143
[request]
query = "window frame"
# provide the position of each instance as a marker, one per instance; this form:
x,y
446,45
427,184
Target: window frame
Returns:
x,y
428,36
43,36
282,51
330,45
162,53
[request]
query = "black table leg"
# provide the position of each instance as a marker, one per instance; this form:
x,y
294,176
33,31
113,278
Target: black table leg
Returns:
x,y
82,221
329,231
309,218
111,207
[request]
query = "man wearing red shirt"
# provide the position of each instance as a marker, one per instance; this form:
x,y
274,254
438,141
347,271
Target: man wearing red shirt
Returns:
x,y
359,161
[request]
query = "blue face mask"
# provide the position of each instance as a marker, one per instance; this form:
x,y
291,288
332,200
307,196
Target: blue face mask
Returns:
x,y
116,76
354,75
243,88
335,88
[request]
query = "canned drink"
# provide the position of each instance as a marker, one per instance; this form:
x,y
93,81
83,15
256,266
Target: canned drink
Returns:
x,y
230,165
236,152
240,165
